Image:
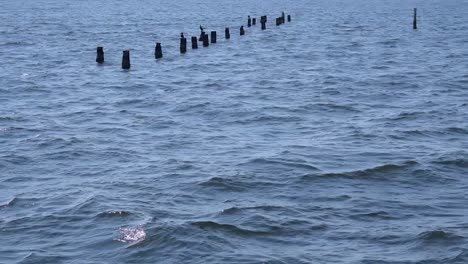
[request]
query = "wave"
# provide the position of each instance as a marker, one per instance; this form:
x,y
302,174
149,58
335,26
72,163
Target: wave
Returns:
x,y
43,258
439,236
16,159
9,203
116,213
16,44
457,130
377,171
406,116
334,107
462,163
284,163
224,183
270,118
265,208
229,228
230,184
380,215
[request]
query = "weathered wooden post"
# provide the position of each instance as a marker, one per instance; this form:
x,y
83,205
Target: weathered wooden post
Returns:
x,y
263,21
278,21
242,32
206,40
202,36
249,21
183,43
126,59
289,18
227,35
283,18
194,43
213,36
158,51
415,19
254,21
100,55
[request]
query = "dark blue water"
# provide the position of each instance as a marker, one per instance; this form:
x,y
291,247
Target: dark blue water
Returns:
x,y
340,137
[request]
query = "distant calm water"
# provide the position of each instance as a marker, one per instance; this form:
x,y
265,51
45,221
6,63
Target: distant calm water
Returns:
x,y
341,137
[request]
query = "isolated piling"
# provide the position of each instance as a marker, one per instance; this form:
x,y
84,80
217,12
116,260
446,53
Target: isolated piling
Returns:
x,y
415,19
249,21
278,21
100,55
213,36
254,21
158,51
289,18
206,41
227,35
194,43
242,31
183,45
126,59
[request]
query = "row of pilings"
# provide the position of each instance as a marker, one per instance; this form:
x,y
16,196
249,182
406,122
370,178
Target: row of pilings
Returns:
x,y
203,38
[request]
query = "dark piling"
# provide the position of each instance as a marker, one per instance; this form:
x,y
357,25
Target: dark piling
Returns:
x,y
254,21
415,19
242,31
100,55
213,36
263,21
183,43
158,51
206,40
227,35
249,21
289,18
126,59
202,36
194,43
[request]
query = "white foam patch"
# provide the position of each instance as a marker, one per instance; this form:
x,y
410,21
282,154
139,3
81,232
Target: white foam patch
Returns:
x,y
131,234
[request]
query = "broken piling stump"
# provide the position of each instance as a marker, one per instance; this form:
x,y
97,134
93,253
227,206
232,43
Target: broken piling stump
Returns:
x,y
194,43
100,55
213,36
158,51
126,59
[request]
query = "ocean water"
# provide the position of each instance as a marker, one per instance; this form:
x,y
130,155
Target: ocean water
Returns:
x,y
340,137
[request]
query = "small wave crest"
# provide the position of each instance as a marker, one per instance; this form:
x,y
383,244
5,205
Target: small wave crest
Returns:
x,y
381,215
436,236
462,163
115,213
264,208
8,203
377,171
236,185
229,228
282,163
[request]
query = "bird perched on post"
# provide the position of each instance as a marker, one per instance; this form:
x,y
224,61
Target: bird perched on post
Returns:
x,y
182,35
201,28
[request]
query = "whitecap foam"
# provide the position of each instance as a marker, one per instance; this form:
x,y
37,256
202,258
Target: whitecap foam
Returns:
x,y
131,234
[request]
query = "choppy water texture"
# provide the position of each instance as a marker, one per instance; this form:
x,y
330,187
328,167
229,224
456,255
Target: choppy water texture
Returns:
x,y
340,137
